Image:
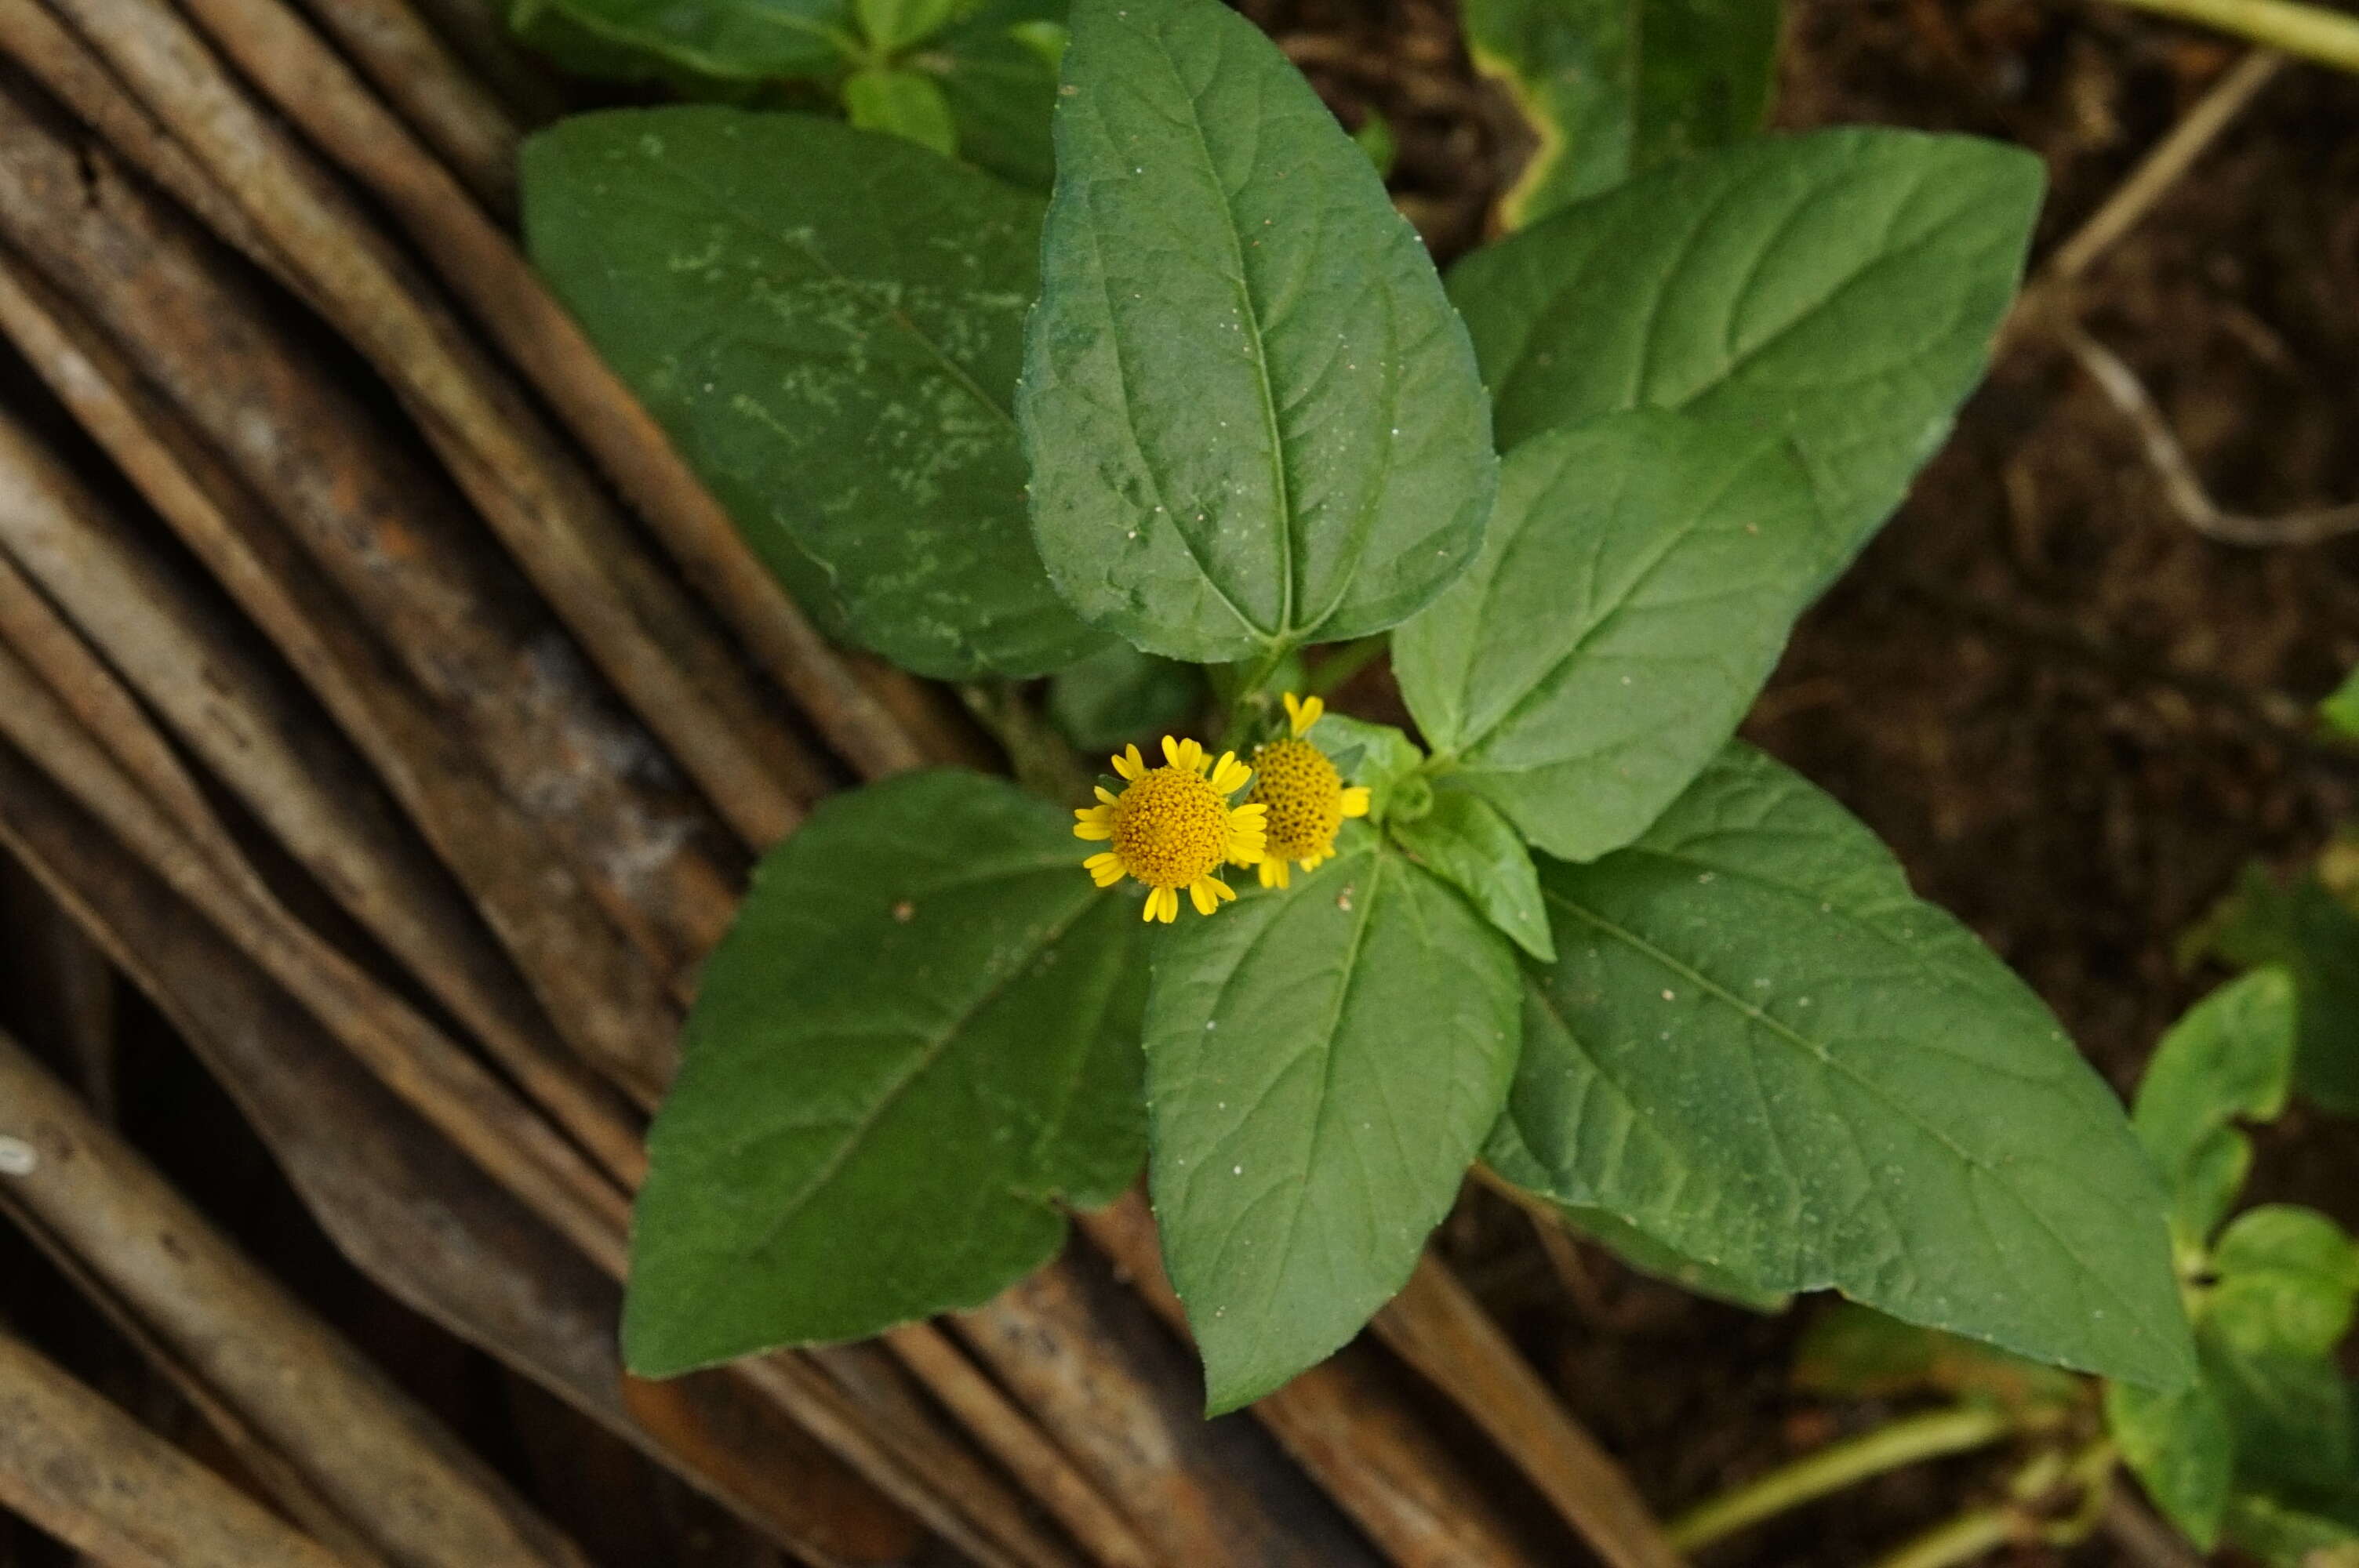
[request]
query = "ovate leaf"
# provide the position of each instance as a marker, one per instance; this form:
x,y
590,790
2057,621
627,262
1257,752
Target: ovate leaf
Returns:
x,y
1253,418
2306,927
2231,1057
1638,579
921,1034
1840,288
900,103
746,40
1758,1046
828,322
1611,87
1323,1064
2288,1277
2182,1450
1465,842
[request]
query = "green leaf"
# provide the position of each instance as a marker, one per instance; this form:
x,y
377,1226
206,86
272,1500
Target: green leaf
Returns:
x,y
1322,1063
2292,1413
1859,1353
1758,1046
892,26
2231,1056
1253,418
834,351
998,73
2182,1449
2294,1537
922,1032
745,40
1118,694
2309,930
1611,87
2288,1277
1465,842
1377,756
1840,288
2341,709
1637,585
1648,1256
900,103
1375,137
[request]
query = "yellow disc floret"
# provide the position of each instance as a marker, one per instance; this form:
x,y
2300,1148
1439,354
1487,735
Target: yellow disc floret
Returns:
x,y
1305,798
1173,827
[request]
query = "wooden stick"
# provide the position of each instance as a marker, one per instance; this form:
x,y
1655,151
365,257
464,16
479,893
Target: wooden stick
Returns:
x,y
106,1485
412,1058
1043,1469
1372,1452
388,534
414,69
1437,1326
297,778
410,1486
413,1212
634,622
312,88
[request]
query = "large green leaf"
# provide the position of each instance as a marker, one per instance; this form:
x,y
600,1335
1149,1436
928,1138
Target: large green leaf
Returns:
x,y
828,321
1254,419
1757,1045
1638,581
922,1032
1611,87
1323,1064
746,40
1840,287
2231,1057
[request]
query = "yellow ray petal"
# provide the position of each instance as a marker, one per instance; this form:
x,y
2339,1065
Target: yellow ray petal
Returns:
x,y
1302,715
1229,775
1130,764
1354,801
1274,874
1202,895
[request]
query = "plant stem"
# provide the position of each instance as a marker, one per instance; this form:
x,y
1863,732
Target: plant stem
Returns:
x,y
1039,757
2310,31
1838,1465
1960,1539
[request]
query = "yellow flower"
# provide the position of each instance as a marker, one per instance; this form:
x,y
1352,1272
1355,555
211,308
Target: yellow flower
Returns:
x,y
1305,796
1173,827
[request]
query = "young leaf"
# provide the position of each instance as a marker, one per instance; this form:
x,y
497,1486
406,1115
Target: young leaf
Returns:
x,y
745,40
2231,1056
2182,1450
828,321
2308,929
1611,87
1465,842
892,26
1119,694
900,103
1635,585
1253,418
2288,1276
1840,288
1376,755
2339,709
997,70
1322,1063
1758,1046
921,1034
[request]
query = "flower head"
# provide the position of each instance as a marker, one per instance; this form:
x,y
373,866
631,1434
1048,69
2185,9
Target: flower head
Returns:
x,y
1173,827
1305,798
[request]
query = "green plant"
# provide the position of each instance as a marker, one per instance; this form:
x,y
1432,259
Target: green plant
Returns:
x,y
1653,979
2262,1450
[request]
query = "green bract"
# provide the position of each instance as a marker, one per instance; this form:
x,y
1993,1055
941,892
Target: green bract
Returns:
x,y
1666,986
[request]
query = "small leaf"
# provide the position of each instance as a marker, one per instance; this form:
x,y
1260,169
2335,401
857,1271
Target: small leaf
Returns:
x,y
1633,591
2288,1537
2341,709
2229,1057
1859,1353
997,69
892,26
1465,842
1612,89
921,1034
900,103
1376,756
2308,929
1119,694
1253,418
1648,1256
1322,1063
1758,1046
834,351
1838,288
2288,1277
2182,1451
745,40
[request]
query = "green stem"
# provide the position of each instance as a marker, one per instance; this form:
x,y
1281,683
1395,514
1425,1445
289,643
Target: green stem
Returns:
x,y
1836,1466
1974,1534
2309,31
1038,755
